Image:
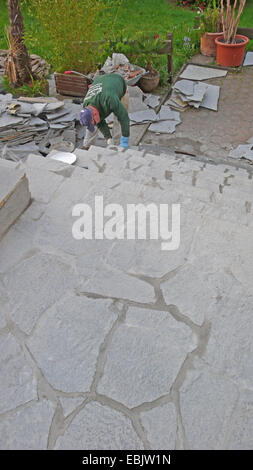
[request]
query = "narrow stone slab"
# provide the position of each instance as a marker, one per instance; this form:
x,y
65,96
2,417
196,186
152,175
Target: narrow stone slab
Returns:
x,y
14,195
133,373
17,381
211,98
152,101
66,341
196,72
99,427
248,59
161,427
27,429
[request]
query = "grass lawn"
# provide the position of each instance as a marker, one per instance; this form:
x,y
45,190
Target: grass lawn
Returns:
x,y
133,16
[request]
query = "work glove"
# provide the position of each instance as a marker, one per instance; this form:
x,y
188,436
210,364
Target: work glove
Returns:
x,y
124,142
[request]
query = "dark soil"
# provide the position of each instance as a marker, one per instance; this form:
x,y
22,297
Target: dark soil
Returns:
x,y
237,41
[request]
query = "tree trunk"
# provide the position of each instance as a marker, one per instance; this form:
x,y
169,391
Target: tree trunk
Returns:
x,y
18,67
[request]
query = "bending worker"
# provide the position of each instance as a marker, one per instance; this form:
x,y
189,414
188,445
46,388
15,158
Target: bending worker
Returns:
x,y
103,98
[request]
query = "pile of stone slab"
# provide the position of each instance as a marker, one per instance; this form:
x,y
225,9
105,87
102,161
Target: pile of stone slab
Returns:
x,y
191,91
35,125
197,94
40,67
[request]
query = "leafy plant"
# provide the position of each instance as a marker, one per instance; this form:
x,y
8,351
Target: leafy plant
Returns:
x,y
31,89
211,19
230,19
70,30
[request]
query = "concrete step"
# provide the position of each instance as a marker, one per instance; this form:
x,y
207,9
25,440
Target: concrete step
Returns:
x,y
14,194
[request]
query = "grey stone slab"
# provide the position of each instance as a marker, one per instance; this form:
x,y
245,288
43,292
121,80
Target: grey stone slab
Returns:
x,y
14,246
17,381
34,285
200,91
250,141
167,114
14,196
27,429
191,294
152,101
70,404
99,427
67,339
143,116
211,98
164,127
160,425
136,346
207,402
115,284
242,431
48,165
185,86
248,59
7,121
245,151
52,107
196,72
43,184
226,355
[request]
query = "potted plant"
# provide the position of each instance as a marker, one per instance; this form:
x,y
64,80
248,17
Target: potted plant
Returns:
x,y
69,34
210,29
231,46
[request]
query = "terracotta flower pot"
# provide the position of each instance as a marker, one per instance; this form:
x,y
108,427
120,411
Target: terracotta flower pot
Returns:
x,y
207,44
231,55
149,82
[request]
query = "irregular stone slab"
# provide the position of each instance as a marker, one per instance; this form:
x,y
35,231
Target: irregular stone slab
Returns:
x,y
143,116
34,285
211,98
245,151
241,433
161,427
152,101
164,127
248,59
167,114
14,195
207,402
190,293
232,357
184,86
200,90
145,357
28,428
99,427
196,72
11,251
70,404
116,284
43,184
67,339
17,382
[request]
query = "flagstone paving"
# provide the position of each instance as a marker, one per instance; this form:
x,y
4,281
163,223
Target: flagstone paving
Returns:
x,y
116,344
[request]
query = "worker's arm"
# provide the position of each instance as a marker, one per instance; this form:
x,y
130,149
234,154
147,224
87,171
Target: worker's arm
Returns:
x,y
103,127
121,113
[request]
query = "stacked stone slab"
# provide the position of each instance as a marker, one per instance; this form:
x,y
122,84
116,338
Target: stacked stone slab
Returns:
x,y
14,194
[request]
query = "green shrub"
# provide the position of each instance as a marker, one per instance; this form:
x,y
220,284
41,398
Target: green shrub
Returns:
x,y
69,30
